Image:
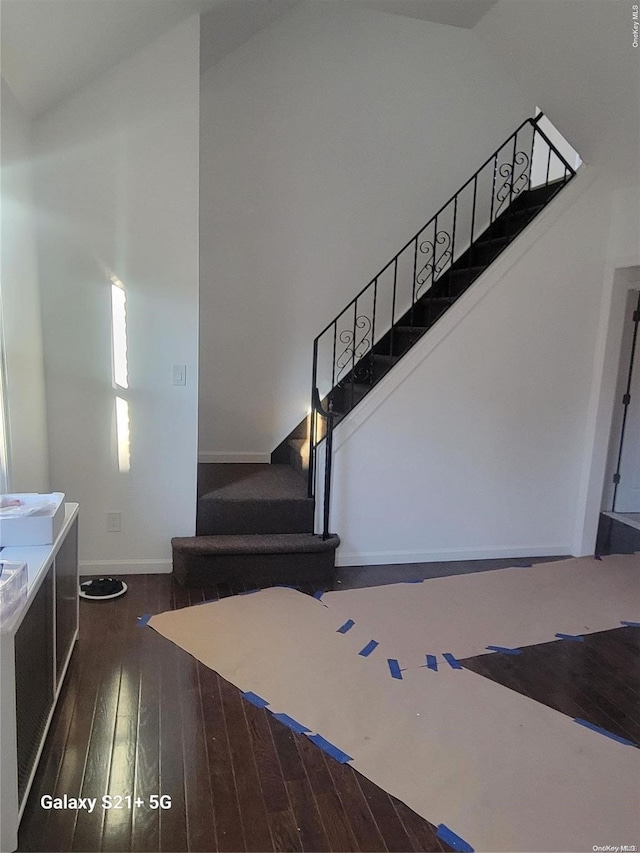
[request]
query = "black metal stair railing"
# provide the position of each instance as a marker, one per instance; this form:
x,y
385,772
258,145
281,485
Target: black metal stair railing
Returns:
x,y
433,269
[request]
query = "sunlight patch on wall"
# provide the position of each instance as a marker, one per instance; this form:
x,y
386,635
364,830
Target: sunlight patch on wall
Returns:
x,y
119,333
120,371
122,435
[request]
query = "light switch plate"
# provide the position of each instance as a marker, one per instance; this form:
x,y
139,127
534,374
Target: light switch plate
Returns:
x,y
179,374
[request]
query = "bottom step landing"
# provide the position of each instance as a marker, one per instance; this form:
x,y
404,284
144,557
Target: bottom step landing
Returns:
x,y
272,557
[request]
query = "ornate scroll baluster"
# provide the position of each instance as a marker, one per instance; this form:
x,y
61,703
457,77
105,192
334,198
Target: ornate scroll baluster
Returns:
x,y
435,262
513,185
356,348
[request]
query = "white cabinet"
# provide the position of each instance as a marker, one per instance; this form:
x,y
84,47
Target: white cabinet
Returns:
x,y
34,655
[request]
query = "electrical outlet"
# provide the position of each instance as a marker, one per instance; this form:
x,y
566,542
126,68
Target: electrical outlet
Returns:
x,y
113,522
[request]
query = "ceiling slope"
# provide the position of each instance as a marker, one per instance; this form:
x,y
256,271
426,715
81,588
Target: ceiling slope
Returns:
x,y
52,48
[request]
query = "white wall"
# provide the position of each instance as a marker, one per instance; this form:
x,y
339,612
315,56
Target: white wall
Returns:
x,y
476,448
27,436
624,245
326,142
621,265
117,190
575,59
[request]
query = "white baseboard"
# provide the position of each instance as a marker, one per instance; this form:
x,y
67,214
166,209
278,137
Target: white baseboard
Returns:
x,y
384,558
125,567
233,456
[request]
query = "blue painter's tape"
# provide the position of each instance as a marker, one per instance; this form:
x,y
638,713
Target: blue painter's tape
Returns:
x,y
418,581
330,749
504,650
212,600
453,662
318,594
449,837
143,620
432,662
597,558
256,700
285,586
602,731
371,645
249,592
348,625
394,668
575,637
631,624
294,725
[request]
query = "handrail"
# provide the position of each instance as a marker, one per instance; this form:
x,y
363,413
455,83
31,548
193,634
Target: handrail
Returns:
x,y
353,360
317,406
534,123
572,171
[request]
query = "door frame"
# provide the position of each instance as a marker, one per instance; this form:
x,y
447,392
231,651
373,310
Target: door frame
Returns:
x,y
629,364
599,417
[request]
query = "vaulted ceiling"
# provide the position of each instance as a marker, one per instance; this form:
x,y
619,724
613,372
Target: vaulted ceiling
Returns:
x,y
51,48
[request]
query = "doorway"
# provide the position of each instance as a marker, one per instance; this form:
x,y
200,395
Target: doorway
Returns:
x,y
622,488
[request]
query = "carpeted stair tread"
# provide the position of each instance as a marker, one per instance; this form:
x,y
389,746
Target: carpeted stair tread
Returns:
x,y
262,499
257,543
269,482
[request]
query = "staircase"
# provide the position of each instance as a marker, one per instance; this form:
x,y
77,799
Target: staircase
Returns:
x,y
254,526
255,523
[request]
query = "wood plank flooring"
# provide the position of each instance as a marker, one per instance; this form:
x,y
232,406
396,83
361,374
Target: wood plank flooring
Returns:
x,y
140,716
597,680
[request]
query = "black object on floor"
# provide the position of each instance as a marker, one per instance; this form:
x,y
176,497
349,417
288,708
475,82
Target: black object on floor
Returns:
x,y
101,589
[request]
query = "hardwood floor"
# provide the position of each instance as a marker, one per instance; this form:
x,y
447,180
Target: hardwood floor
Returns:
x,y
597,680
140,716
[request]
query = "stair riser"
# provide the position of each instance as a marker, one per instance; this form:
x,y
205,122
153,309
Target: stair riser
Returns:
x,y
481,255
451,286
424,312
511,225
368,372
257,569
343,398
541,195
397,344
429,311
241,517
